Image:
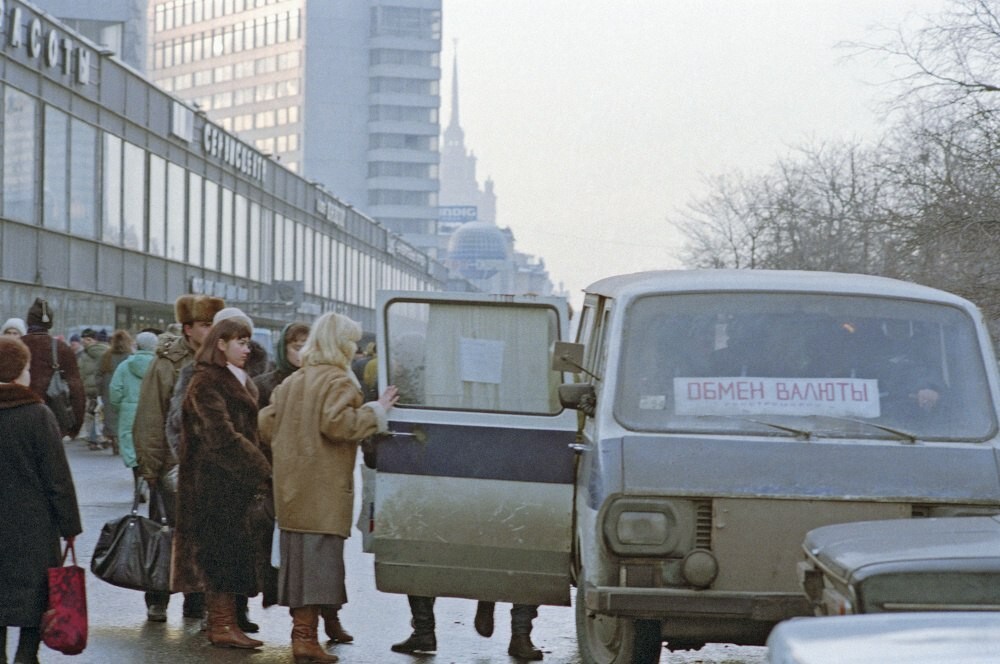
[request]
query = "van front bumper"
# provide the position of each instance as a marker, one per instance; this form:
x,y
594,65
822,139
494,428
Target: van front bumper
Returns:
x,y
666,603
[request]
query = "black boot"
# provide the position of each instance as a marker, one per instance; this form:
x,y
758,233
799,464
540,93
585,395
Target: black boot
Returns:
x,y
521,647
422,639
241,615
484,618
194,605
27,646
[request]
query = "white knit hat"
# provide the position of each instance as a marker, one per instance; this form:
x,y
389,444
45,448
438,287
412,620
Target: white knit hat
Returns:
x,y
15,323
146,341
231,312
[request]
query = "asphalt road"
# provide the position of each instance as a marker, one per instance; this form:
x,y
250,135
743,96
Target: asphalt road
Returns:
x,y
119,631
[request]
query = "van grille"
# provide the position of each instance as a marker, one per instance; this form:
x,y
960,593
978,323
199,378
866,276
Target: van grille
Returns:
x,y
703,524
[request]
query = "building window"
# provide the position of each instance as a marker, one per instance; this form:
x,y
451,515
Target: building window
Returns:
x,y
226,232
176,212
211,225
195,218
255,241
289,260
112,190
55,183
157,206
240,237
20,148
134,215
83,179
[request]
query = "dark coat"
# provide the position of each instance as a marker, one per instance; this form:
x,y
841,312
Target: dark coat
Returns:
x,y
40,345
110,362
267,382
37,503
217,543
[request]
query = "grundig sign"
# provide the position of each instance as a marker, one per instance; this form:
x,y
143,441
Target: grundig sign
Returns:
x,y
237,154
54,50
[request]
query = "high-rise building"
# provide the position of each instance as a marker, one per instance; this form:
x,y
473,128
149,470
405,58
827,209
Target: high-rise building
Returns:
x,y
343,92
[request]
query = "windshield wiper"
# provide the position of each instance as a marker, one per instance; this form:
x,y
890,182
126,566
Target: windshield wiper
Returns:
x,y
805,434
899,433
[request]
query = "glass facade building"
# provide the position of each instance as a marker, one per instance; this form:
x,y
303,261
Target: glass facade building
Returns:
x,y
117,197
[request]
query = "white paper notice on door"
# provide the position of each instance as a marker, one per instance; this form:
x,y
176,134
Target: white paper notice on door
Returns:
x,y
481,360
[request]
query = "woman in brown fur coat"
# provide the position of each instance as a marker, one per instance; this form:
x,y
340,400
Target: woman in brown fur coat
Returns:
x,y
223,472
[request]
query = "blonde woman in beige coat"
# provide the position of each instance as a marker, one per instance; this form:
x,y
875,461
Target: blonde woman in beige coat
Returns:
x,y
316,418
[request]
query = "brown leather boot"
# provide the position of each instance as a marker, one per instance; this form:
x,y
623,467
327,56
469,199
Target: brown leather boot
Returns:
x,y
305,645
331,623
222,628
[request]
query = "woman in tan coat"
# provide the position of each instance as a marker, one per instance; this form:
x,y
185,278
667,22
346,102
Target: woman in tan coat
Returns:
x,y
314,423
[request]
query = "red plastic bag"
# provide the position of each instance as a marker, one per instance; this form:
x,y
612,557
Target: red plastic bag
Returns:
x,y
64,625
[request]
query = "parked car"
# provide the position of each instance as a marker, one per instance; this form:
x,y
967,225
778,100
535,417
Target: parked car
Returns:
x,y
896,638
948,564
720,416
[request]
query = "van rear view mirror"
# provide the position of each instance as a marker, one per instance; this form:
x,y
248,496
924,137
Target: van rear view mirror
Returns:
x,y
567,356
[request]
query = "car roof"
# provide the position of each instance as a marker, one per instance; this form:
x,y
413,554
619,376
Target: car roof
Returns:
x,y
625,286
956,637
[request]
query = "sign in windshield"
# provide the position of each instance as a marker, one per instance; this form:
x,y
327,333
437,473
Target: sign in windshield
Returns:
x,y
697,362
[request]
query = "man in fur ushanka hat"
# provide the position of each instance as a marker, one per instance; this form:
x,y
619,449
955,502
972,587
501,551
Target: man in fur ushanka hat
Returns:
x,y
155,455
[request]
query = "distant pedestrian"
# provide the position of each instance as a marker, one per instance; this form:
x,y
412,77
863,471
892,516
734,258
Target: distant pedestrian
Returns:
x,y
123,396
314,423
119,349
37,501
223,473
41,344
89,362
14,327
287,360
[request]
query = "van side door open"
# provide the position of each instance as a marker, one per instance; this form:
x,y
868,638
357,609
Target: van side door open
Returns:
x,y
474,490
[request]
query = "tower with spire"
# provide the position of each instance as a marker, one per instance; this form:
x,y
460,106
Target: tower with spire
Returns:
x,y
459,186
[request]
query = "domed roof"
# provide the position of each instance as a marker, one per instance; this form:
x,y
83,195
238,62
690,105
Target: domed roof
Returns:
x,y
478,241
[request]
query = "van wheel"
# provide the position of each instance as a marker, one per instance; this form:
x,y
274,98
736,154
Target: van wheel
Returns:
x,y
610,640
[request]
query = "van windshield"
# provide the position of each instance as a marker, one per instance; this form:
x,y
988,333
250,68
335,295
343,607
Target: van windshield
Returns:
x,y
824,364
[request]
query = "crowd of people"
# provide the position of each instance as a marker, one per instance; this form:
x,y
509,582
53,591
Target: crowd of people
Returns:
x,y
233,442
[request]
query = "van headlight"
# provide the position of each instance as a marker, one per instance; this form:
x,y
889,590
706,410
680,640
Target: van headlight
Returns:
x,y
649,526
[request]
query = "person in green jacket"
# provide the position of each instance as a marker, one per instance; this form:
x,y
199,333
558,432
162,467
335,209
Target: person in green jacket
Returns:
x,y
124,395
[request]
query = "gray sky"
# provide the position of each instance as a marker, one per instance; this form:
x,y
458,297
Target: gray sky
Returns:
x,y
598,120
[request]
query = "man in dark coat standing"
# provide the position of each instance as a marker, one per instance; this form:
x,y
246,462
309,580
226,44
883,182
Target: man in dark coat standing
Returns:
x,y
37,501
39,342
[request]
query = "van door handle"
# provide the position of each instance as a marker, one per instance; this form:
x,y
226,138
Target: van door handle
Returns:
x,y
418,433
579,447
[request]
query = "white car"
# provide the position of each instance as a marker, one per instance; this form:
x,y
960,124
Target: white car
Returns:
x,y
900,638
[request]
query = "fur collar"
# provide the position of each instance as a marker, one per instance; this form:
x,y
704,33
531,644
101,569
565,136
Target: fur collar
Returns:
x,y
13,395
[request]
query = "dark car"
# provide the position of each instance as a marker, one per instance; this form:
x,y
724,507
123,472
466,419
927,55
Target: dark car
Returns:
x,y
937,564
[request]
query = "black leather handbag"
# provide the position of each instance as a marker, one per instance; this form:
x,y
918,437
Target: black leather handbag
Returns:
x,y
134,551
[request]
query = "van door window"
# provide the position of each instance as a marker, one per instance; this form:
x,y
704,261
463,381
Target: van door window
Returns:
x,y
450,356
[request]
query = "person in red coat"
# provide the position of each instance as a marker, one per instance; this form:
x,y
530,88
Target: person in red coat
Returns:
x,y
39,342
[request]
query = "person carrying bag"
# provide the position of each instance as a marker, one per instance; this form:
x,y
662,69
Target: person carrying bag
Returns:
x,y
134,551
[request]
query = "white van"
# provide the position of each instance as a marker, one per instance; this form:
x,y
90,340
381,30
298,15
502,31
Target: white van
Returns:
x,y
719,416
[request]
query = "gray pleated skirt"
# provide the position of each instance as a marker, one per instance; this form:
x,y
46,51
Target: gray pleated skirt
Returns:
x,y
312,570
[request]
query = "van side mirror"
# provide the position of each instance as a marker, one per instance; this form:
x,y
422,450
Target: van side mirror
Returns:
x,y
578,396
567,356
